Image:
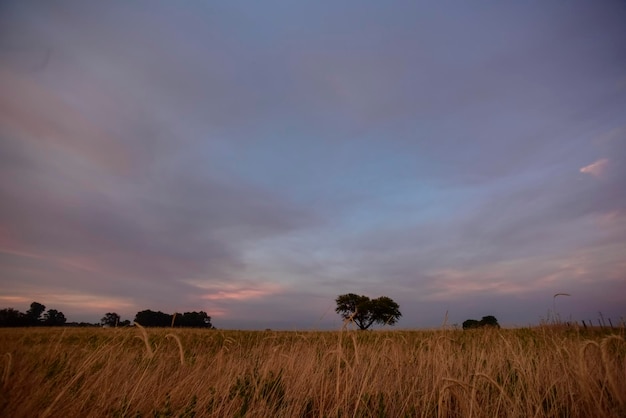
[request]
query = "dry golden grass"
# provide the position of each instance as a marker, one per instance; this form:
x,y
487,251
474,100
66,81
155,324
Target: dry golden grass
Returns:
x,y
208,373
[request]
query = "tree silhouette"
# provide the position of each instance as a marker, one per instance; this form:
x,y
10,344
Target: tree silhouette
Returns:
x,y
54,318
489,321
148,318
110,319
471,323
10,317
486,321
34,313
365,311
192,320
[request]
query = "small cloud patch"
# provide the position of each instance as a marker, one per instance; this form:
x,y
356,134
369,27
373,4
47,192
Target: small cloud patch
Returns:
x,y
596,169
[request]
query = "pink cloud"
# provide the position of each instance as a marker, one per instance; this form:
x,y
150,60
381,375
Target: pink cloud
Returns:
x,y
453,283
34,113
612,135
611,219
219,312
239,292
9,299
69,303
596,169
89,302
516,277
70,263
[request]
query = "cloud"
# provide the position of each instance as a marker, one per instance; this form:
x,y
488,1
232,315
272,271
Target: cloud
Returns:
x,y
597,168
34,114
612,219
239,291
615,134
284,165
77,218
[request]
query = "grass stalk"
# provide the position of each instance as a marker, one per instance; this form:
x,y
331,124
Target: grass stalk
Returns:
x,y
181,352
144,337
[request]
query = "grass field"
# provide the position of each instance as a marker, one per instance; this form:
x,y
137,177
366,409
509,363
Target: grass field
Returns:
x,y
540,372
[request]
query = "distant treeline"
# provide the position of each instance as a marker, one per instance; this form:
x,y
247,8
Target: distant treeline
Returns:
x,y
35,316
150,318
38,316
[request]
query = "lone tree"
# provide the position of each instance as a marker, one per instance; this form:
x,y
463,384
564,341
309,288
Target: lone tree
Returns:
x,y
365,311
110,319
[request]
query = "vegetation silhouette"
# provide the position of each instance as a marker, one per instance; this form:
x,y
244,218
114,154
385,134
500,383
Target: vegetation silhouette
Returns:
x,y
35,316
365,312
112,319
149,318
486,321
38,316
54,318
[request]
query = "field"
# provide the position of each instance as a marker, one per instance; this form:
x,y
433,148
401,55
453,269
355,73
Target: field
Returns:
x,y
132,372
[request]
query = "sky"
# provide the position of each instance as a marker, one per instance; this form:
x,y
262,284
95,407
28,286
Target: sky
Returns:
x,y
255,160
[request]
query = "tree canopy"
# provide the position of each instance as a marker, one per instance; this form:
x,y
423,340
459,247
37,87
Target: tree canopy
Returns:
x,y
486,321
38,316
35,316
54,318
365,311
194,319
34,313
110,319
10,317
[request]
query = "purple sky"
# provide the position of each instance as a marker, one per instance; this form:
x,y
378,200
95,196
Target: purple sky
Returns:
x,y
256,159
